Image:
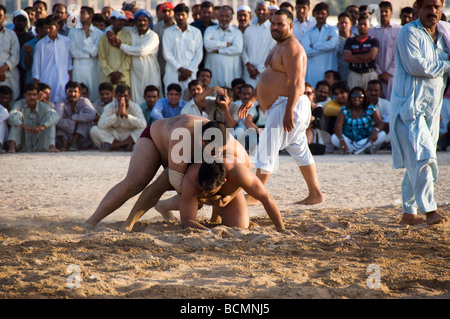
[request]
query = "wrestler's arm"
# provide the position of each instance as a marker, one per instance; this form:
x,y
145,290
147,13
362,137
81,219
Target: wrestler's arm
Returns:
x,y
293,60
247,104
242,176
189,204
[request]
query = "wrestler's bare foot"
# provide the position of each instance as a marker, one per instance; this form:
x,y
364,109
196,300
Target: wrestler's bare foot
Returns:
x,y
88,226
434,218
251,201
411,219
311,200
166,214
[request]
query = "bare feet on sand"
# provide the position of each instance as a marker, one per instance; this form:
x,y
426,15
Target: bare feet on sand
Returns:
x,y
432,218
251,201
311,200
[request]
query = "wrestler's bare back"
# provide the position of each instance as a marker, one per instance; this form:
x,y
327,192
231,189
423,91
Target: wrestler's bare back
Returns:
x,y
274,81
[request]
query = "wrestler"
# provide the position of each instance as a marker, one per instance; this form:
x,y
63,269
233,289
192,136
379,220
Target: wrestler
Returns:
x,y
279,93
153,150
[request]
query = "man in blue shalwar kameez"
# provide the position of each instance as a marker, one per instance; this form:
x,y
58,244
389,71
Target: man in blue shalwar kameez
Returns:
x,y
419,83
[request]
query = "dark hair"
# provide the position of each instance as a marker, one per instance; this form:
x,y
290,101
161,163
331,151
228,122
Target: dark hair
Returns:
x,y
98,17
211,175
406,10
41,2
72,85
374,82
227,7
105,86
89,10
52,20
386,4
286,5
322,6
284,12
365,104
203,70
303,2
181,7
151,88
207,4
122,88
43,86
6,90
341,85
216,125
83,86
3,8
40,23
174,86
31,87
193,83
322,83
237,81
246,86
336,74
344,15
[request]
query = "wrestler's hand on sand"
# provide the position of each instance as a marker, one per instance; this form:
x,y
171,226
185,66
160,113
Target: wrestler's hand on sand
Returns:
x,y
243,110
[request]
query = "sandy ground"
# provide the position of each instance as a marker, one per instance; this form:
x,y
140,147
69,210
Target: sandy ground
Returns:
x,y
350,246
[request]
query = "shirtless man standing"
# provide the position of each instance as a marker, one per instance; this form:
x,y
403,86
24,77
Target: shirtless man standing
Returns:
x,y
280,95
154,149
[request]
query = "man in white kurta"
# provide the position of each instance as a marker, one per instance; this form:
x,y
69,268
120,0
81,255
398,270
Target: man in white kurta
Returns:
x,y
320,44
303,22
84,49
52,61
121,122
419,83
386,32
144,52
224,44
182,49
257,44
9,58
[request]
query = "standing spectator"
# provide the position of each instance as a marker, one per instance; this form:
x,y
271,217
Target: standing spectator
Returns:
x,y
196,12
84,50
406,15
151,96
166,11
121,123
304,21
206,17
258,42
59,10
182,49
77,116
344,25
320,44
27,51
444,124
99,21
224,44
40,7
9,56
52,62
419,84
386,32
144,52
169,106
32,17
244,16
114,63
32,123
360,51
353,11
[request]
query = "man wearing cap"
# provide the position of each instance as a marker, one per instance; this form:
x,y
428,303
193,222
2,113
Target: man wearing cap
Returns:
x,y
144,54
224,44
166,11
84,50
257,44
244,15
114,63
182,49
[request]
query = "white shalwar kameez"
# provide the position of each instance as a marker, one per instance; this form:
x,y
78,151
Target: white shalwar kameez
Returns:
x,y
84,58
144,63
181,49
258,42
10,55
225,65
421,71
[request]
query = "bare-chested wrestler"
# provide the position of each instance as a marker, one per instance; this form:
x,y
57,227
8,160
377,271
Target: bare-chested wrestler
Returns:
x,y
280,95
220,185
153,150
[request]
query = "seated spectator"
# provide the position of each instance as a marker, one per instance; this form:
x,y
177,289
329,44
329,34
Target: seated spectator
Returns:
x,y
331,110
444,124
44,94
374,93
6,97
204,76
77,116
358,126
151,96
4,116
321,98
171,105
120,124
236,85
106,96
310,93
32,123
220,108
332,77
84,90
195,87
